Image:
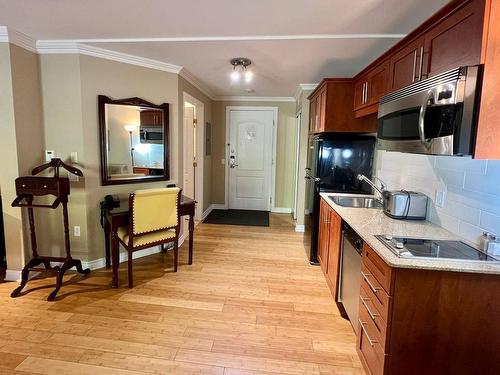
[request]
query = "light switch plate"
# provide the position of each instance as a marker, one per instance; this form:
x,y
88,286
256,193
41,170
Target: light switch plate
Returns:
x,y
440,198
49,155
76,231
73,177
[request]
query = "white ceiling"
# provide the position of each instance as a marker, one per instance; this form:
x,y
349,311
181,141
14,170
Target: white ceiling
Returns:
x,y
289,41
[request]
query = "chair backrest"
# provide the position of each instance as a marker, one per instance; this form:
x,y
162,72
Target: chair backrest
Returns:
x,y
155,209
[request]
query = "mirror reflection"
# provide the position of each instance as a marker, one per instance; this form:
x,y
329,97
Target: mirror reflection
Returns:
x,y
135,142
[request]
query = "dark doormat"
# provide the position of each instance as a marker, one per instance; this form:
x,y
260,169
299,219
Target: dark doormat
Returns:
x,y
238,217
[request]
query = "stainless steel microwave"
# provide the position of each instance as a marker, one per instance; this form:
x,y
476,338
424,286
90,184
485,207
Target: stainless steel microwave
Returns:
x,y
151,134
435,116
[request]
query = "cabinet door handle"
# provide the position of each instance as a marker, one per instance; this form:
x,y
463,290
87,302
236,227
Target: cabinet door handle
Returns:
x,y
421,67
366,93
370,340
372,287
414,66
372,315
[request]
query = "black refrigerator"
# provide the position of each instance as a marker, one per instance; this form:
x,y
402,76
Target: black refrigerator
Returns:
x,y
334,161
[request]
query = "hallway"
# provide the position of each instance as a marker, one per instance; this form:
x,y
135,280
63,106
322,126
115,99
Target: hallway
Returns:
x,y
250,304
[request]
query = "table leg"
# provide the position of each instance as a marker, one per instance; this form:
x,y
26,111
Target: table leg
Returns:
x,y
107,243
191,231
115,253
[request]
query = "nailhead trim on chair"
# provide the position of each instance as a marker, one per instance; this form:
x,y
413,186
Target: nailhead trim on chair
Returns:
x,y
156,230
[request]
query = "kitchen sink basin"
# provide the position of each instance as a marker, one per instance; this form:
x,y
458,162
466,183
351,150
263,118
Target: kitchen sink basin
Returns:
x,y
356,202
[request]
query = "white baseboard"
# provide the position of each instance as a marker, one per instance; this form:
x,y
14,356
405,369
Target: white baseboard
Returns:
x,y
300,228
13,275
101,262
219,206
207,212
281,210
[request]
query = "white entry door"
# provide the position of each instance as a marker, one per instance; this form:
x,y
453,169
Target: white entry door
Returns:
x,y
250,159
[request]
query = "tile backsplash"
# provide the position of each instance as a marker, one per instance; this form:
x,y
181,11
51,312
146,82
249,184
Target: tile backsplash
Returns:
x,y
472,189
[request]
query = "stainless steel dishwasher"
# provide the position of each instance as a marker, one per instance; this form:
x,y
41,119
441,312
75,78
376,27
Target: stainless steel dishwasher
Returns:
x,y
350,271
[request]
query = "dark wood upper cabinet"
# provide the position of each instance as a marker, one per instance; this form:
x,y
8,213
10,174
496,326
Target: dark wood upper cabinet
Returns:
x,y
369,88
331,109
456,41
151,118
449,39
488,133
406,65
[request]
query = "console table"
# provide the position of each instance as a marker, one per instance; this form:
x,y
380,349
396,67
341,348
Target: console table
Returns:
x,y
118,217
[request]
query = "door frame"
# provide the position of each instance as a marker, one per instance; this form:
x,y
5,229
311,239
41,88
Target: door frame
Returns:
x,y
298,120
273,158
200,150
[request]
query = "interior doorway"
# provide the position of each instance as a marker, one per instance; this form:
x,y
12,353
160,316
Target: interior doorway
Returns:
x,y
193,151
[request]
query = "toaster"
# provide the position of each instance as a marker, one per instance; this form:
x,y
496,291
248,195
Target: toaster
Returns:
x,y
404,204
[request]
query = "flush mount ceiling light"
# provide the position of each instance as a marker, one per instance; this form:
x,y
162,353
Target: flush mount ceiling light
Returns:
x,y
240,65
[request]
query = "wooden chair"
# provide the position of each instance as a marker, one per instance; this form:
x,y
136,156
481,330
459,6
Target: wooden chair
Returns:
x,y
153,221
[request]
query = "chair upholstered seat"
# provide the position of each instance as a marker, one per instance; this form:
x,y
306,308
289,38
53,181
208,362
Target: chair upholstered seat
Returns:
x,y
146,238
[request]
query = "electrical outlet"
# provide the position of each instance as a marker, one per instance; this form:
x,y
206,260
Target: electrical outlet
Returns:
x,y
76,231
74,157
440,198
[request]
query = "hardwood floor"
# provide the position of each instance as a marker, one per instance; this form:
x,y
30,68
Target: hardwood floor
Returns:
x,y
250,304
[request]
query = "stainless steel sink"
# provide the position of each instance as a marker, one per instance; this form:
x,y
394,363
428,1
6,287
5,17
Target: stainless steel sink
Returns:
x,y
356,202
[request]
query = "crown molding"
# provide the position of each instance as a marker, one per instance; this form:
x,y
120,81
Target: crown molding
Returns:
x,y
308,86
254,99
71,47
17,38
241,38
4,35
301,87
196,83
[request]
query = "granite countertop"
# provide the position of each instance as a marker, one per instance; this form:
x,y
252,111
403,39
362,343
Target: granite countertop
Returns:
x,y
368,222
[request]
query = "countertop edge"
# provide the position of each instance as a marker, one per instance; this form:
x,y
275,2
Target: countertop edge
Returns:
x,y
348,214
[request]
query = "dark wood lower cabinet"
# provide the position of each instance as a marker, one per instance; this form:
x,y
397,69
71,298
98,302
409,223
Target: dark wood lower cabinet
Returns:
x,y
329,245
415,321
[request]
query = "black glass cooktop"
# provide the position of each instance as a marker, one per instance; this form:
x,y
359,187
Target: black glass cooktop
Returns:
x,y
414,247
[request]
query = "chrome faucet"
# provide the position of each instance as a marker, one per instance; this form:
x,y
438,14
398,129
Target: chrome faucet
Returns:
x,y
383,186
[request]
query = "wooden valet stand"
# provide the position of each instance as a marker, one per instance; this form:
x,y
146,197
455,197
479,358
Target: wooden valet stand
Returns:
x,y
30,186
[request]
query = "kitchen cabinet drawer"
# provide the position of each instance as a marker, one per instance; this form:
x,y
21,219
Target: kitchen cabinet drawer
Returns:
x,y
371,306
376,293
369,347
377,268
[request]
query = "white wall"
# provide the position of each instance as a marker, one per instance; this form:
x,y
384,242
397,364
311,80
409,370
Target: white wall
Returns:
x,y
472,187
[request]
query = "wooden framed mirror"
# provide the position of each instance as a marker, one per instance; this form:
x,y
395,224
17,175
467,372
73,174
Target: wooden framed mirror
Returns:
x,y
134,141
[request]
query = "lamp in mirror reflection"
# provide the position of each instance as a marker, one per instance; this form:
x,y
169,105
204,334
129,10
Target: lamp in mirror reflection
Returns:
x,y
241,70
131,128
